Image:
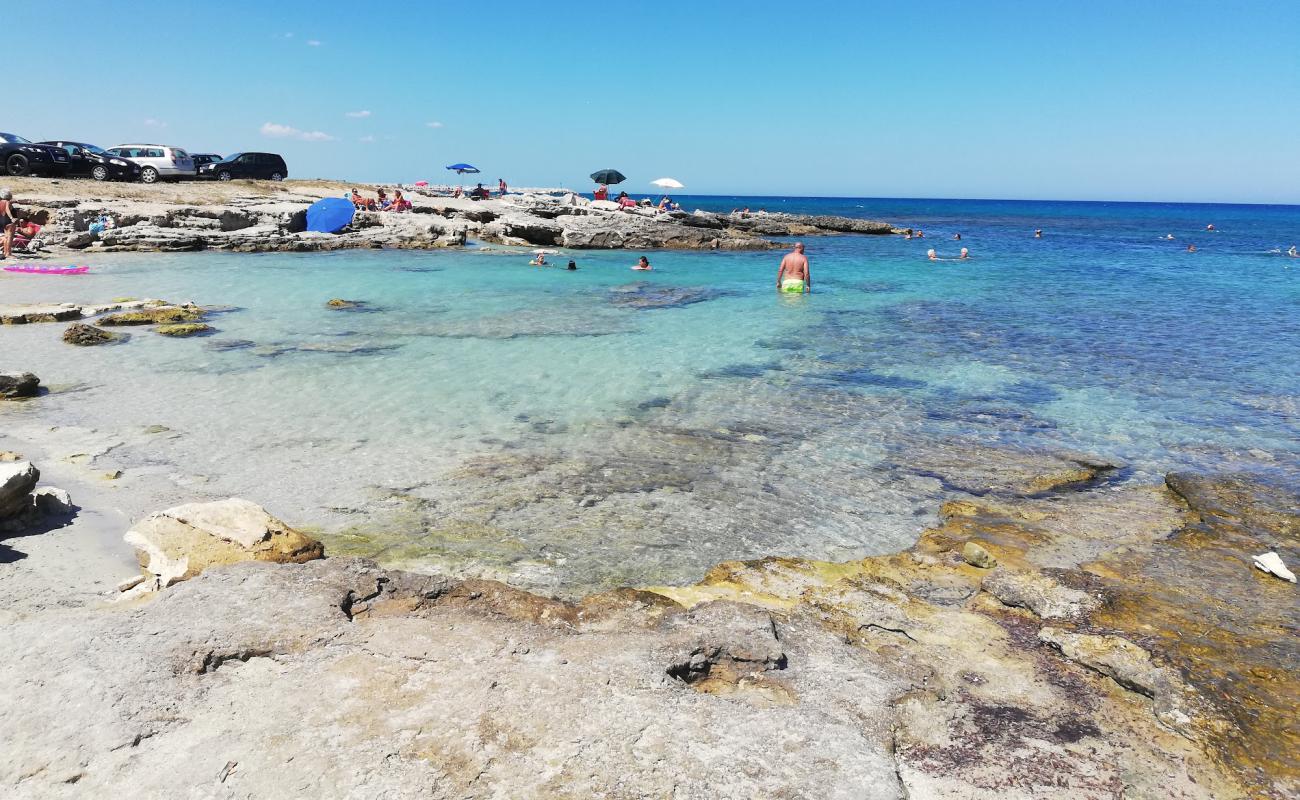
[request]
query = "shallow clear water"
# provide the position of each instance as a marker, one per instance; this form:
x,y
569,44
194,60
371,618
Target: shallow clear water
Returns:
x,y
576,429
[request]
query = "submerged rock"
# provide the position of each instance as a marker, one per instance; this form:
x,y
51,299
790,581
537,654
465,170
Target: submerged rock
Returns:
x,y
18,384
181,542
184,329
341,304
88,335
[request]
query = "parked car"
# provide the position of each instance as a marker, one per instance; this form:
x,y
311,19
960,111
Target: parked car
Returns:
x,y
203,158
21,157
157,161
264,166
89,161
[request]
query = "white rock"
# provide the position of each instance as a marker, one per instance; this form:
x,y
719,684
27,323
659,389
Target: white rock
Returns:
x,y
53,501
1271,563
235,520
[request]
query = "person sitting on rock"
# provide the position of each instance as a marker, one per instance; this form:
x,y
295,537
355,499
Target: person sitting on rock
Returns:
x,y
383,202
478,193
459,191
601,193
665,203
399,203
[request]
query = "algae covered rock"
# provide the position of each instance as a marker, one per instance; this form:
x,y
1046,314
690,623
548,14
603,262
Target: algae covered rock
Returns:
x,y
162,315
184,329
181,542
18,384
344,305
88,335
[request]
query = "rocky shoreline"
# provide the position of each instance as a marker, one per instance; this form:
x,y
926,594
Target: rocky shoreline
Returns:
x,y
251,217
1055,636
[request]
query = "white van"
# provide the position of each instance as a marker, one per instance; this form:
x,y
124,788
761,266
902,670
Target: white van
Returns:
x,y
157,161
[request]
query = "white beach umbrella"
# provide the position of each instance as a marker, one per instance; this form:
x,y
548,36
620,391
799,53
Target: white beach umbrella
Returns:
x,y
668,183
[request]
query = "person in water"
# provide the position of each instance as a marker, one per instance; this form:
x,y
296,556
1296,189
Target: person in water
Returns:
x,y
1168,237
964,253
539,261
794,277
1038,234
1210,227
956,237
1191,248
573,265
930,254
1292,252
643,264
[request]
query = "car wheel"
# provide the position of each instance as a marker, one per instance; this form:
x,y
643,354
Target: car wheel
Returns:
x,y
224,175
149,175
18,165
275,176
99,172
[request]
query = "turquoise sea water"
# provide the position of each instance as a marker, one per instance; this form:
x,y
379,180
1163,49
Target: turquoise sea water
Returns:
x,y
577,429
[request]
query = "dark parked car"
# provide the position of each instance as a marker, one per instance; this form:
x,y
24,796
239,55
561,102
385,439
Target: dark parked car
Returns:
x,y
264,166
20,157
203,158
89,161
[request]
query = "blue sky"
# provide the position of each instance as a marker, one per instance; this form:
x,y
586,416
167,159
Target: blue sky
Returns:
x,y
1136,100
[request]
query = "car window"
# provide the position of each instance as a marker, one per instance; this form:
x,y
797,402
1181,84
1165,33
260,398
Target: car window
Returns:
x,y
179,153
153,152
72,149
9,137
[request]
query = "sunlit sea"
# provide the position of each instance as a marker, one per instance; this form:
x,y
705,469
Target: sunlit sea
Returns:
x,y
578,429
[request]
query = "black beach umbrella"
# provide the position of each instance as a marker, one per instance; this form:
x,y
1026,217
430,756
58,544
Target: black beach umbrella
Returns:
x,y
608,176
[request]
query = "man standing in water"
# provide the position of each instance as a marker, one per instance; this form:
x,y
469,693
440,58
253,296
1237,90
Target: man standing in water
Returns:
x,y
794,277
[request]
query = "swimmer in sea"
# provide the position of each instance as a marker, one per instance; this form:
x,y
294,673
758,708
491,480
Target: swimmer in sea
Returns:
x,y
1292,252
643,264
907,235
794,276
1169,237
572,265
1191,248
930,254
956,237
964,253
1038,234
1210,228
540,261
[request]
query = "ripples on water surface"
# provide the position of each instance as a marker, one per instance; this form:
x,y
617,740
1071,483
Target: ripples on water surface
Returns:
x,y
584,429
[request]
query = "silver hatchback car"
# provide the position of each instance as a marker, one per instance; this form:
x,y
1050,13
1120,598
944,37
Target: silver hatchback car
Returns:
x,y
157,161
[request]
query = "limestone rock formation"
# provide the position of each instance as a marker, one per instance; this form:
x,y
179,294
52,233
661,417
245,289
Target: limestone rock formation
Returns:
x,y
183,541
17,480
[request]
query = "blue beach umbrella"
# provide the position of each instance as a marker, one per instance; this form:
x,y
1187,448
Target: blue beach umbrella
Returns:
x,y
329,215
461,169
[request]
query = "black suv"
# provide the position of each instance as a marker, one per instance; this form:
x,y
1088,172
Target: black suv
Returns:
x,y
20,157
89,161
264,166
